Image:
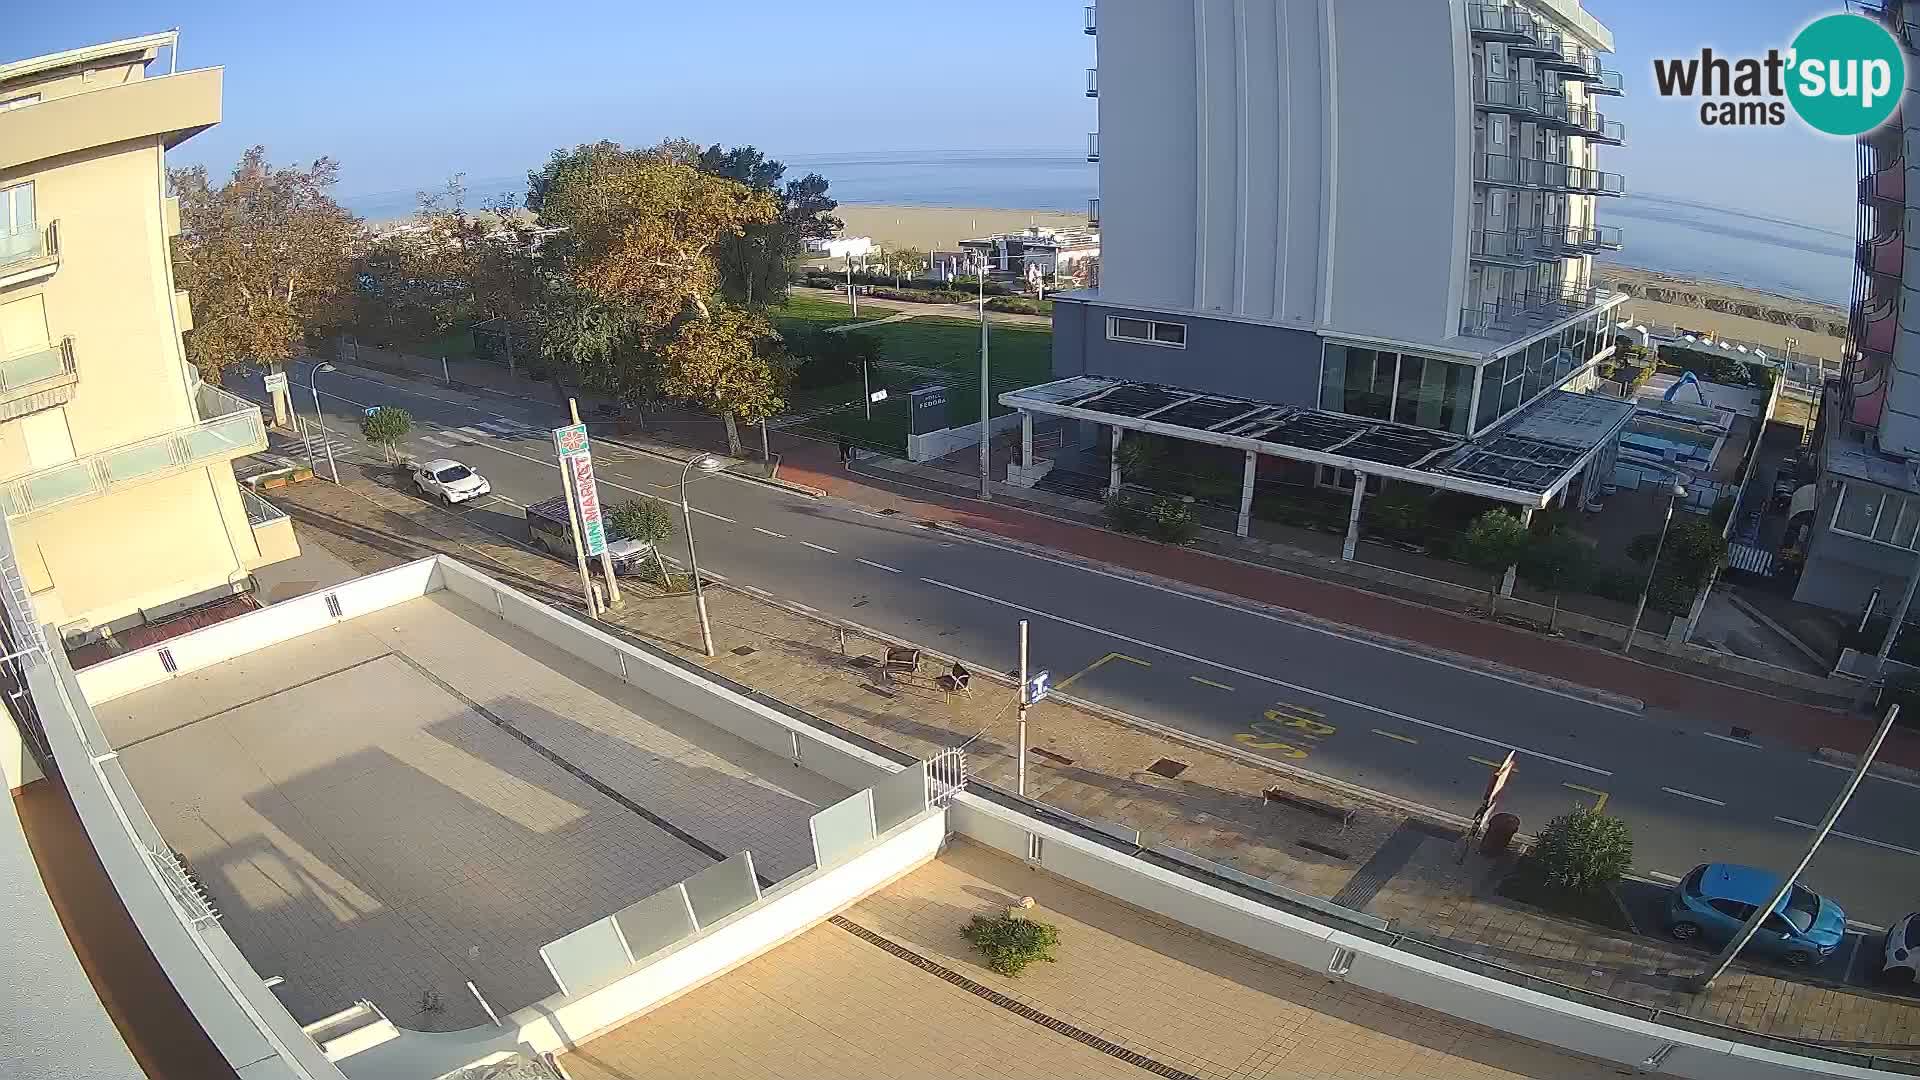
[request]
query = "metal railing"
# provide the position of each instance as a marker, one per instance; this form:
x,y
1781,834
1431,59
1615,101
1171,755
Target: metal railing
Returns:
x,y
1093,146
235,427
259,511
1093,211
1607,81
1092,25
29,243
1581,239
1574,58
195,905
1505,244
22,372
1093,82
1505,22
1591,123
946,776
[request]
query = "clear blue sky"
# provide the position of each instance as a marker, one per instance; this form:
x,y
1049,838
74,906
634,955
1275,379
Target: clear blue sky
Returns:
x,y
405,92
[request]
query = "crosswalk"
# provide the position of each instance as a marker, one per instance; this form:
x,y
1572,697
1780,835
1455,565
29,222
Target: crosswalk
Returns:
x,y
502,428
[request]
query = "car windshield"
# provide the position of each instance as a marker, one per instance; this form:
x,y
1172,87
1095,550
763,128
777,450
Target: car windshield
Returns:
x,y
449,475
1802,905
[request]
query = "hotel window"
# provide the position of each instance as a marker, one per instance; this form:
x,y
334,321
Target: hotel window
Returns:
x,y
1170,335
19,233
1866,514
20,102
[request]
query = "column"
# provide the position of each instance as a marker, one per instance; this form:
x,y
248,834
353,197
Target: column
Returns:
x,y
1353,516
1506,583
1246,492
1113,464
1026,439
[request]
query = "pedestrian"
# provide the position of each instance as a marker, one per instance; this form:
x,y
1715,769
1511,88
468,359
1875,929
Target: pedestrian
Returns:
x,y
846,449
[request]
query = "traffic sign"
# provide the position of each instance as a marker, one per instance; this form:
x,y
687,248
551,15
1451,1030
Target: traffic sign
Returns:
x,y
276,381
1498,781
877,396
1037,688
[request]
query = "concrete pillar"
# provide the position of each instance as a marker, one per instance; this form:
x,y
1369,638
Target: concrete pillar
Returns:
x,y
1246,492
1113,464
1353,516
1026,439
1506,583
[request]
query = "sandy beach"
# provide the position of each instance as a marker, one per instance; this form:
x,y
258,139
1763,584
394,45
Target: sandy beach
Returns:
x,y
1764,332
939,228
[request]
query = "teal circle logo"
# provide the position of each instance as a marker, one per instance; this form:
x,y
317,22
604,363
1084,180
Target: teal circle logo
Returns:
x,y
1846,74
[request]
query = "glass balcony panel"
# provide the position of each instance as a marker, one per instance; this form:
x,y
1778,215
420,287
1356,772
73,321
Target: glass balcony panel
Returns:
x,y
132,462
53,485
222,435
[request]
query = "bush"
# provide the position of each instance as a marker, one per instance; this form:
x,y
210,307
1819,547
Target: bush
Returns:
x,y
1583,850
646,520
386,425
1162,518
1010,943
1617,584
1023,305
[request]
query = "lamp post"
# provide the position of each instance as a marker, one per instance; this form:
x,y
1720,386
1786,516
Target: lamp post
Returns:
x,y
313,383
1679,492
985,393
709,465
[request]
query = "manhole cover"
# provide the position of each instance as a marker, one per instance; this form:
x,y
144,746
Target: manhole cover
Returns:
x,y
744,650
1742,733
1167,767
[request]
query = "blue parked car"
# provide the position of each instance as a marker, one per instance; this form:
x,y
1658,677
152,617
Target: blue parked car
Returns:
x,y
1717,898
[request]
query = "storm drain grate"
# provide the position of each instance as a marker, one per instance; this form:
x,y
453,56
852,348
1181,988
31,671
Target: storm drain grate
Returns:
x,y
1311,805
744,650
889,511
987,993
1167,767
1057,759
1329,852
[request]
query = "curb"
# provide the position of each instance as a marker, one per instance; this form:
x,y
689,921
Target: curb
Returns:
x,y
1564,687
1851,760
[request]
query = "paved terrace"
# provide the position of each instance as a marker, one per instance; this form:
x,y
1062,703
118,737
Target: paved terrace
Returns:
x,y
890,989
425,795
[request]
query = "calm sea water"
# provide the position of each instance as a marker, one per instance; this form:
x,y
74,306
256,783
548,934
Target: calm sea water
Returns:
x,y
1662,234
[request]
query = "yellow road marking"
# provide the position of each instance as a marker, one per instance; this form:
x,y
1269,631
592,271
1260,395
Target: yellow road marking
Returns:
x,y
1109,658
1210,682
1600,797
1484,761
1401,738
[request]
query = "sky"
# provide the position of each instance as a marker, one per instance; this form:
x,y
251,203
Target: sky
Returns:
x,y
404,93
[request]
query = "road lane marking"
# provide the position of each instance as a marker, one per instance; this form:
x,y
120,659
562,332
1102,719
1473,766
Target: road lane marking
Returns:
x,y
1210,682
1397,737
879,566
1870,775
770,532
817,547
1691,795
1600,797
1671,879
1300,620
1483,761
1728,738
705,513
1107,659
1391,714
1850,836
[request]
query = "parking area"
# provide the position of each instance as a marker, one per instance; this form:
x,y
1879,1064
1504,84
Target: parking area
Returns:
x,y
423,796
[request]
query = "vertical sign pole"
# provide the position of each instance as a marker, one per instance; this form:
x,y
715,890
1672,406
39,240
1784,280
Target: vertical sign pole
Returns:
x,y
606,556
1023,707
579,541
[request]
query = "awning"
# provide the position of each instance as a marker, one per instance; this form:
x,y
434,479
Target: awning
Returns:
x,y
1803,500
1525,461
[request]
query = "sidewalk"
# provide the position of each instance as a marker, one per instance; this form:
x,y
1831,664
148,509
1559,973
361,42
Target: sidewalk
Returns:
x,y
1392,861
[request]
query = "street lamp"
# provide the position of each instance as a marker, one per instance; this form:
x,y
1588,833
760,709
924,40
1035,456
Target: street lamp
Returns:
x,y
709,465
313,383
1679,492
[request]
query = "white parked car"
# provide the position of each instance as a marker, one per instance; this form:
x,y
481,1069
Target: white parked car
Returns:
x,y
451,481
1902,958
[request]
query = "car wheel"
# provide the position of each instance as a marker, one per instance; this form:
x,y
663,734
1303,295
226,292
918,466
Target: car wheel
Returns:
x,y
1684,930
446,498
1900,976
1798,958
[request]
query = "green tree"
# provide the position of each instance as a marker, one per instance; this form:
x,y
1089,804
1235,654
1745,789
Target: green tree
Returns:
x,y
729,363
1493,542
757,264
648,521
904,262
1010,942
268,257
1583,850
386,425
1557,560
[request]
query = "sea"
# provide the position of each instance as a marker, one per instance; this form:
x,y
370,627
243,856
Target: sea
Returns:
x,y
1664,233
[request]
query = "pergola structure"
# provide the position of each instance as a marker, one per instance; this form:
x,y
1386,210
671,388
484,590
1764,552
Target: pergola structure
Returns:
x,y
1527,461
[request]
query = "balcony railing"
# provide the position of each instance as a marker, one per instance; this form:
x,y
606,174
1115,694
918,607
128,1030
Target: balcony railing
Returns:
x,y
29,246
1574,240
1529,308
1093,82
1091,25
232,427
1501,22
259,510
1093,146
1592,124
1607,81
35,368
1093,212
1545,44
1574,60
1507,247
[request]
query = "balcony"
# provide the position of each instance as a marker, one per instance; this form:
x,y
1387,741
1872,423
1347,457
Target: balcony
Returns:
x,y
1504,247
272,531
1540,175
1888,184
231,427
1093,212
1875,329
1093,146
1883,255
1544,46
1519,313
1573,241
37,380
1091,27
1607,81
1593,125
1093,82
1574,61
1501,22
29,253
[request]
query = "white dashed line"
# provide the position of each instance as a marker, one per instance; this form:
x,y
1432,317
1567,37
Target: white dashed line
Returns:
x,y
1728,738
714,516
1691,795
1668,878
1849,836
1870,775
878,566
817,547
770,532
1035,612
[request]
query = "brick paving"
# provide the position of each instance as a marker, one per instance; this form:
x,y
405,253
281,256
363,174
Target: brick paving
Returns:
x,y
832,1004
1213,808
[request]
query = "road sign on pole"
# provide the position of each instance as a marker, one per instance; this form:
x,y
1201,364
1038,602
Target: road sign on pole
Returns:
x,y
576,455
1036,689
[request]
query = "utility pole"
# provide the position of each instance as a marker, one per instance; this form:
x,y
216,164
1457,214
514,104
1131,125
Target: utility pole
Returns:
x,y
1022,788
852,300
1703,982
866,387
985,406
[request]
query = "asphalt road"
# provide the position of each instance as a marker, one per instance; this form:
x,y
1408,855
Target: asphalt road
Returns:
x,y
1394,721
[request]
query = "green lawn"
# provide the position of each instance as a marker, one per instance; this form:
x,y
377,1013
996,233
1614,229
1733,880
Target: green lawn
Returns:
x,y
1019,355
807,311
